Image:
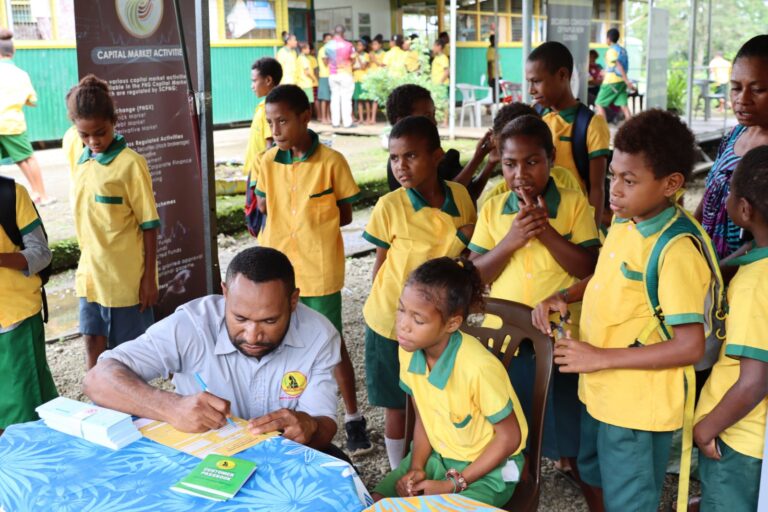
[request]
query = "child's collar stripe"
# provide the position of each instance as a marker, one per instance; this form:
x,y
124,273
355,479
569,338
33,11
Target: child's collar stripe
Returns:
x,y
285,157
649,227
115,147
443,368
551,198
449,204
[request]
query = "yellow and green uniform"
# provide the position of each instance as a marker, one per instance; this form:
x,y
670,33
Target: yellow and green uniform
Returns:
x,y
562,176
412,61
288,59
412,232
439,66
303,64
114,204
630,414
460,399
532,273
611,75
376,60
359,74
561,125
303,195
395,60
16,91
323,72
27,380
20,297
734,480
613,89
313,67
257,138
322,67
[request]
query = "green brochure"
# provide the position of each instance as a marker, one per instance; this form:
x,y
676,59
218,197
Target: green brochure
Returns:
x,y
216,478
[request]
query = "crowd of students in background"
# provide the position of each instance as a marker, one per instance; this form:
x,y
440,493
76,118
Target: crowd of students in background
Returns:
x,y
541,237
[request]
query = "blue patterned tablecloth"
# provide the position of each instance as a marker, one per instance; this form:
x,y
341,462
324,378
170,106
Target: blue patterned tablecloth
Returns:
x,y
42,469
434,503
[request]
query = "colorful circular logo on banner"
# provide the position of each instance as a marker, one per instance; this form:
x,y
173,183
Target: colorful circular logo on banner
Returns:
x,y
140,18
294,383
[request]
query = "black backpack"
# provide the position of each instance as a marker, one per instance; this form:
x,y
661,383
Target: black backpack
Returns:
x,y
9,224
579,140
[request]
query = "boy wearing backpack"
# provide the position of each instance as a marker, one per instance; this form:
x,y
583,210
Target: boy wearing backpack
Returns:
x,y
24,252
581,139
730,415
636,369
613,90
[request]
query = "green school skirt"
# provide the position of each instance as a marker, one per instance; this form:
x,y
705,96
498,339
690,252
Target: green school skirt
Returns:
x,y
27,380
16,147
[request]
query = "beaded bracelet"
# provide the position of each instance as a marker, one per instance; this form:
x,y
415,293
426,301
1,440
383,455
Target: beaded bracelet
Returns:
x,y
460,483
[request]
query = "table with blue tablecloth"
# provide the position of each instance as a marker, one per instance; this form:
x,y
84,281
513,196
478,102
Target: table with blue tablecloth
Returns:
x,y
42,469
433,503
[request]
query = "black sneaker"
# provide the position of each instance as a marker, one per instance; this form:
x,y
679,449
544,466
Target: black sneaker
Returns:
x,y
357,437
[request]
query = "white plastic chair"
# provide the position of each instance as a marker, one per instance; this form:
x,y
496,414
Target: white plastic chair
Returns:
x,y
470,101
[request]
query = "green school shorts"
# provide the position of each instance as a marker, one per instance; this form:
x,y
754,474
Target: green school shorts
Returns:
x,y
490,489
358,91
612,94
382,371
730,484
629,465
310,94
16,147
27,380
327,305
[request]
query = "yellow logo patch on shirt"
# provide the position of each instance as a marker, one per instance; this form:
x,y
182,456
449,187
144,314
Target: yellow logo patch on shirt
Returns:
x,y
294,383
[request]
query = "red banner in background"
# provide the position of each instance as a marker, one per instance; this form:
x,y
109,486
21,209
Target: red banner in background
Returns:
x,y
134,45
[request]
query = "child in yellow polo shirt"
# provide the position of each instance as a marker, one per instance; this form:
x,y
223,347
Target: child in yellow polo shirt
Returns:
x,y
633,391
359,70
426,218
528,244
16,92
266,73
305,75
27,380
307,190
470,431
730,415
323,87
548,69
116,223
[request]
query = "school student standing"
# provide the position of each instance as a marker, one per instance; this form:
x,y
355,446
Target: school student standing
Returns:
x,y
16,91
426,218
266,73
26,377
307,190
548,71
730,415
632,381
116,222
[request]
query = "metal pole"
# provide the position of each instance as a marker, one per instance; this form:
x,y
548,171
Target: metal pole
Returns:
x,y
709,34
647,49
691,61
205,120
527,19
452,81
496,61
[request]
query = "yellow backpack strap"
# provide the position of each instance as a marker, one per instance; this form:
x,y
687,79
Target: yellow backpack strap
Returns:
x,y
687,446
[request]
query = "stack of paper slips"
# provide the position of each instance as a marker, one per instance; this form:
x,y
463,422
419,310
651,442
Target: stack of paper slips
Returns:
x,y
96,424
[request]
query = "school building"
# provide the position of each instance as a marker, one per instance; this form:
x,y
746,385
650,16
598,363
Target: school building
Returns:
x,y
241,31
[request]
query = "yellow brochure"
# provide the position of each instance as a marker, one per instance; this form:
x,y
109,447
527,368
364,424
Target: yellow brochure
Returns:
x,y
227,441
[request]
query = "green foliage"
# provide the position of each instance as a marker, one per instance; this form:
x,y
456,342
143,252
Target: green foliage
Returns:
x,y
379,84
676,88
64,254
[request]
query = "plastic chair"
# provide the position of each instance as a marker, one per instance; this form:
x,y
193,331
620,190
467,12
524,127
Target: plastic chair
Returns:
x,y
470,101
516,327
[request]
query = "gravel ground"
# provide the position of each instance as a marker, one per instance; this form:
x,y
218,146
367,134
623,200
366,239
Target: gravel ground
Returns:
x,y
558,494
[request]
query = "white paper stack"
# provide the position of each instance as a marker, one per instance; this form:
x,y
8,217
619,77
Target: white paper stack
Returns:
x,y
96,424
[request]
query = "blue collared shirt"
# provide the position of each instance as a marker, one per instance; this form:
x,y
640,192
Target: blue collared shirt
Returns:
x,y
297,375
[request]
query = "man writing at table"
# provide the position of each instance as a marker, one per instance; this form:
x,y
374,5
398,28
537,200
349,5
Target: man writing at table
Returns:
x,y
262,355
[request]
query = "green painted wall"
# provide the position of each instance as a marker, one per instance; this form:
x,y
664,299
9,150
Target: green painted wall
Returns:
x,y
233,99
53,72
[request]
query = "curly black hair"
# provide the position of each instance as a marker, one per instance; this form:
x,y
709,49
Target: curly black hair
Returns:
x,y
417,126
750,179
510,112
529,126
453,285
291,95
267,66
553,55
401,99
666,143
